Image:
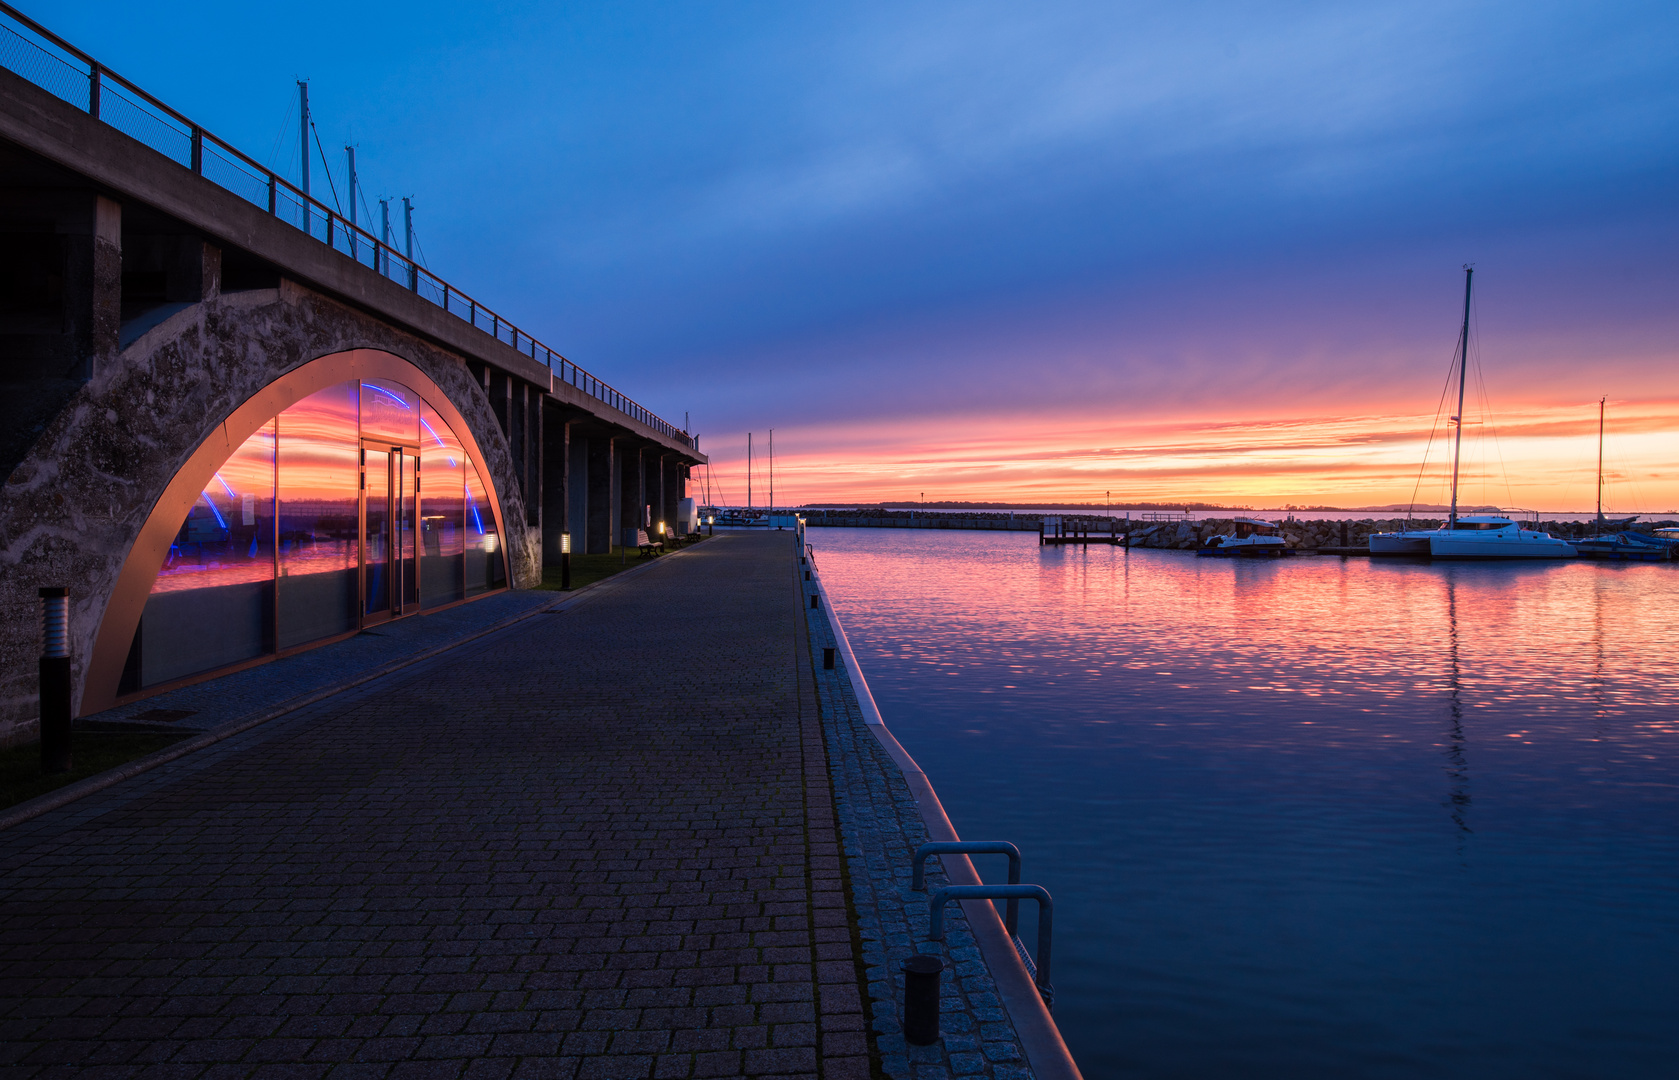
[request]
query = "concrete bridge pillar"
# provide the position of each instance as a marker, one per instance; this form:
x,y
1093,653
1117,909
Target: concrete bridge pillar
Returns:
x,y
671,470
556,482
603,494
654,493
633,493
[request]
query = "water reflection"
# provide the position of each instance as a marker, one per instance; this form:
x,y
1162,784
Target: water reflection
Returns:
x,y
1232,777
1457,765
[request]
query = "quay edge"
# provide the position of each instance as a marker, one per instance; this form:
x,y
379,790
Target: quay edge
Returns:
x,y
1040,1038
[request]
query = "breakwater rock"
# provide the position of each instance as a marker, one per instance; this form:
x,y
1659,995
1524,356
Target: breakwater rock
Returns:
x,y
1312,535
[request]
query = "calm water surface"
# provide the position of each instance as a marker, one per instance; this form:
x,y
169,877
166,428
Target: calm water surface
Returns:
x,y
1320,817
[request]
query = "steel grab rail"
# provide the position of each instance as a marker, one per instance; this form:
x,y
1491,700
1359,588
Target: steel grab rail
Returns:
x,y
1046,921
918,869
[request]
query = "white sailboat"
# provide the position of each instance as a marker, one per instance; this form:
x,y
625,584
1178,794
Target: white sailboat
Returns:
x,y
1475,536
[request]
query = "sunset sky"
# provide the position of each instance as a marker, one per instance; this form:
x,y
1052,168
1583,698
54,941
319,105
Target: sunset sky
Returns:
x,y
1027,251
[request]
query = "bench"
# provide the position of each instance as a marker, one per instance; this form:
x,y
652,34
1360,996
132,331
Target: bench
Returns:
x,y
646,546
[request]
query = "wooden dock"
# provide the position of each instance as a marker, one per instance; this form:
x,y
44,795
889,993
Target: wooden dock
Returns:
x,y
1056,531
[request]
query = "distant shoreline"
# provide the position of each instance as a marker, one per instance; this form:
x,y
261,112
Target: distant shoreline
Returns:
x,y
1419,508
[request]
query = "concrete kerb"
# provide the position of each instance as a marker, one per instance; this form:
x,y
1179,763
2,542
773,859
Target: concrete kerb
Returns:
x,y
52,800
1040,1038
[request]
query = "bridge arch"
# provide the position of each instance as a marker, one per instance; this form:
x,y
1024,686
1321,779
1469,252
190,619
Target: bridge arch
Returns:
x,y
298,473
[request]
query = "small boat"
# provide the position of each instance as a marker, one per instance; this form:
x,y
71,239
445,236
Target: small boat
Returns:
x,y
1625,546
1252,538
1494,536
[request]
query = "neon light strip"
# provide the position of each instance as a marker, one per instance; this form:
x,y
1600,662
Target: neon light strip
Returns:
x,y
452,462
219,519
390,394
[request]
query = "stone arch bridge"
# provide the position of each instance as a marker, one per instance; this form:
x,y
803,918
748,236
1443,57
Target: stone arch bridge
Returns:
x,y
164,300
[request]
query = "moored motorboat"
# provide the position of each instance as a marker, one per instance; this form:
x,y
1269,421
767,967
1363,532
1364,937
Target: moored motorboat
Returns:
x,y
1251,538
1625,546
1494,536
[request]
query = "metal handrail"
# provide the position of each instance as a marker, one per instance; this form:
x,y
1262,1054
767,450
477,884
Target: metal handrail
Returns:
x,y
276,189
1046,921
918,868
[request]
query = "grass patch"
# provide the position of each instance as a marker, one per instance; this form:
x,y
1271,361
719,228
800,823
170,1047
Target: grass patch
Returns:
x,y
587,569
90,752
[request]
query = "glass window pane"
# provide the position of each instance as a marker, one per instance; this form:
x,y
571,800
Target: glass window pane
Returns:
x,y
442,506
389,410
319,473
213,601
483,545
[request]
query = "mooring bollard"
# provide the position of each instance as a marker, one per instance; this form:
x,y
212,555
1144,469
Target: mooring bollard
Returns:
x,y
921,999
828,657
814,597
55,680
807,575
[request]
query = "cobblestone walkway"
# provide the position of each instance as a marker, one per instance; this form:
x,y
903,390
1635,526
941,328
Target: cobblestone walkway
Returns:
x,y
598,844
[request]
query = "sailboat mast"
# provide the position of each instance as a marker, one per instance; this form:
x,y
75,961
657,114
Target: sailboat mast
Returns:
x,y
1601,402
749,470
1462,379
772,470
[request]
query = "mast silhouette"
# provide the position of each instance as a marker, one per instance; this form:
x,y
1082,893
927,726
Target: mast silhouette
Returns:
x,y
1600,403
749,470
1462,379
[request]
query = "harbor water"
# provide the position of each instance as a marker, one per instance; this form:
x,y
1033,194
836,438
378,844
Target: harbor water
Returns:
x,y
1317,817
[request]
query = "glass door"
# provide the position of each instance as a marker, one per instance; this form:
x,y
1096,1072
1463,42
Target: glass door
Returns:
x,y
376,533
390,539
405,494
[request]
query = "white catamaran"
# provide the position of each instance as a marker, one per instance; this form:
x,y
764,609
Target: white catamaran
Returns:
x,y
1476,536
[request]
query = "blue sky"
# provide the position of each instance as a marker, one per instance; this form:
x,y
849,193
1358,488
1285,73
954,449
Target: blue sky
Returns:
x,y
914,219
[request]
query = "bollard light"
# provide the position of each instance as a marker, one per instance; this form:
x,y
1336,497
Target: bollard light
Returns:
x,y
565,560
828,657
565,543
813,599
921,999
55,679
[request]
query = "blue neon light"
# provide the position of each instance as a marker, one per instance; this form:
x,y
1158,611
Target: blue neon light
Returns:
x,y
439,440
230,492
219,519
393,395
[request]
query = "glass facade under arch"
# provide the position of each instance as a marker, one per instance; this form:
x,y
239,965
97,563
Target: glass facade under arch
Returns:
x,y
355,505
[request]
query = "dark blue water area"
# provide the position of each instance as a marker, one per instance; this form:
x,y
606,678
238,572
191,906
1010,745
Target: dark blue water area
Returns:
x,y
1323,817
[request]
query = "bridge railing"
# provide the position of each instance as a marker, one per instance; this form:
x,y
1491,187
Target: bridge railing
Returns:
x,y
35,53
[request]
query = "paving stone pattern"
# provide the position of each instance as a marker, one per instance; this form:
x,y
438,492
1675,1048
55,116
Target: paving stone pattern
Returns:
x,y
597,844
258,689
880,828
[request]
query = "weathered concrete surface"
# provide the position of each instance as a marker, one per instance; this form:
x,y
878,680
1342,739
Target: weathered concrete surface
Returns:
x,y
600,845
71,511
